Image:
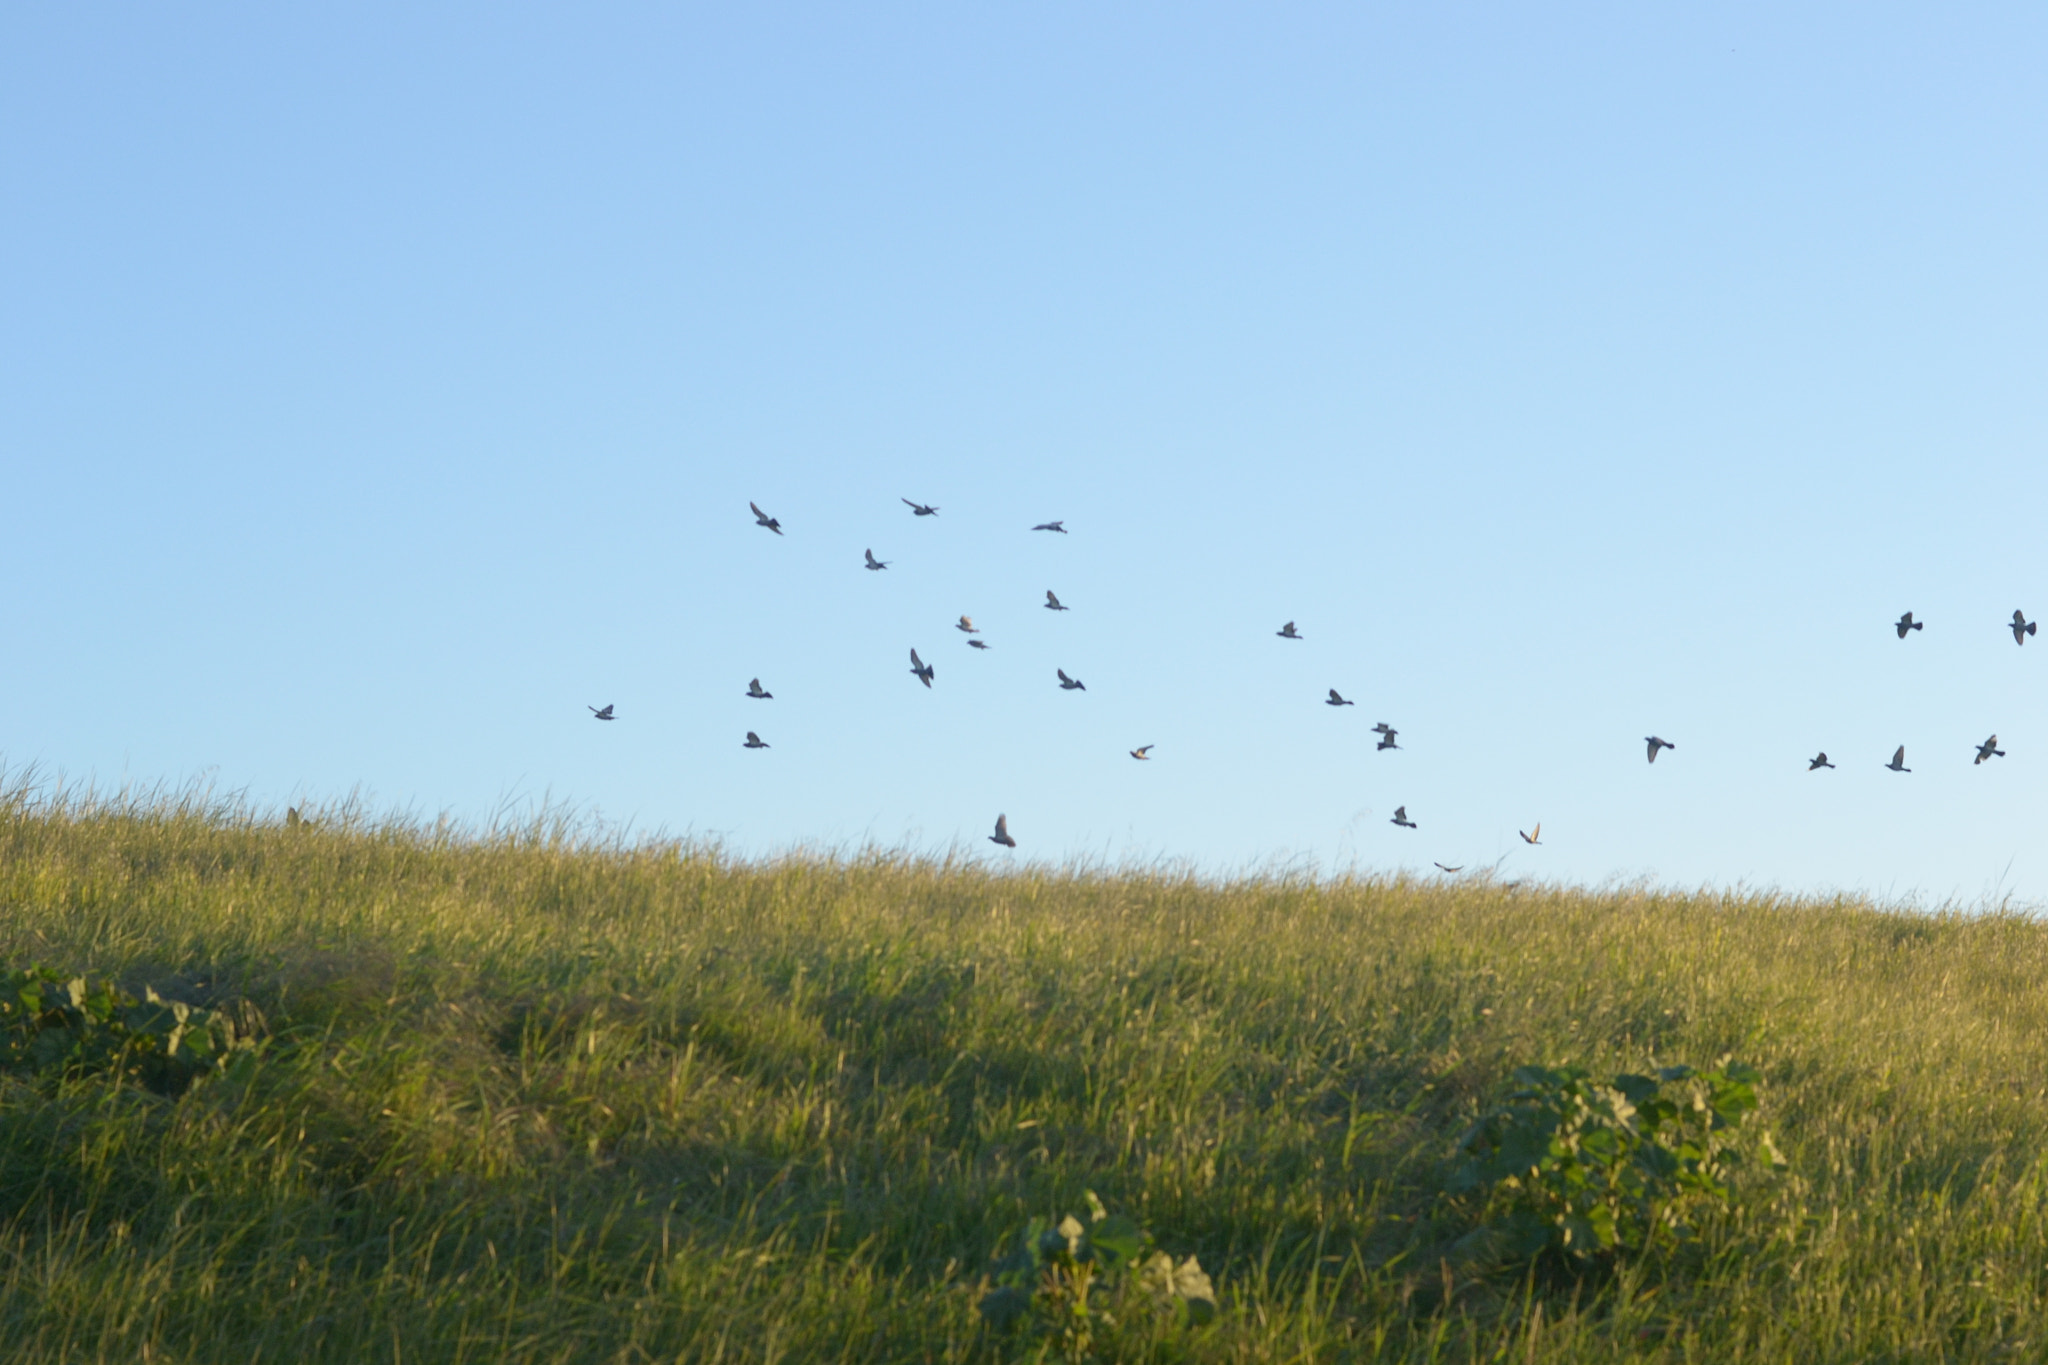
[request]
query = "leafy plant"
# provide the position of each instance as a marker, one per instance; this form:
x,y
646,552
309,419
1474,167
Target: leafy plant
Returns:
x,y
52,1023
1065,1282
1588,1171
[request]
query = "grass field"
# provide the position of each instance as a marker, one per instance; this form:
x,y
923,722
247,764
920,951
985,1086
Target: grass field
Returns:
x,y
537,1097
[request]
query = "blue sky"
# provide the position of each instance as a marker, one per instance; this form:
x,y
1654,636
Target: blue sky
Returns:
x,y
380,386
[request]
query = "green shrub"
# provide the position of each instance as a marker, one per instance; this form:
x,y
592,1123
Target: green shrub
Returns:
x,y
56,1025
1588,1171
1063,1284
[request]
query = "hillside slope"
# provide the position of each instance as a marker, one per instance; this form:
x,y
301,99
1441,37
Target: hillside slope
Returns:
x,y
539,1098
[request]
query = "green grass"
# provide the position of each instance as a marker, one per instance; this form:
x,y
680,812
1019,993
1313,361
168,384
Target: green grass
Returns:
x,y
541,1097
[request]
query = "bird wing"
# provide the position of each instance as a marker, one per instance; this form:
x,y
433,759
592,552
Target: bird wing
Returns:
x,y
758,512
1003,826
1063,674
1334,696
908,503
1900,756
916,662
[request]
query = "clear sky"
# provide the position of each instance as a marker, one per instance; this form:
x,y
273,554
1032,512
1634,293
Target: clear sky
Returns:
x,y
383,385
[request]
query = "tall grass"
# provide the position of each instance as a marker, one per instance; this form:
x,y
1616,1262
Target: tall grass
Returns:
x,y
536,1095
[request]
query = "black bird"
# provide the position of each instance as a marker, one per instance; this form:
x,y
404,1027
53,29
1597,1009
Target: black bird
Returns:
x,y
1052,603
2022,627
1386,734
757,692
754,741
763,519
1051,526
1898,763
1287,632
1002,834
1819,760
1336,700
1068,684
874,563
1907,623
1441,868
1534,836
977,644
605,714
1401,818
1143,751
922,669
1989,749
1656,744
921,509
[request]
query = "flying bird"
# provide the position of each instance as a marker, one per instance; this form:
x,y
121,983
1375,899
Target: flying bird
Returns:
x,y
1051,526
977,644
874,563
1002,834
1907,623
1401,818
1819,760
922,669
1143,751
1534,836
2022,627
1387,733
1441,868
1656,744
763,519
1052,603
757,692
1287,632
967,624
1336,700
1989,749
921,509
605,714
1898,763
1068,684
754,741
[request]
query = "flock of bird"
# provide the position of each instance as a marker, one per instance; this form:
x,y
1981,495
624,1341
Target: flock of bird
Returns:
x,y
2020,626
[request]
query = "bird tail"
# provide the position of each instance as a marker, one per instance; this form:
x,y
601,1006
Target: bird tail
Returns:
x,y
1918,625
2033,627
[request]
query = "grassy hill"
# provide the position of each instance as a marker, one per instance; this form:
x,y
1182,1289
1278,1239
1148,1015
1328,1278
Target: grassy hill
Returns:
x,y
539,1098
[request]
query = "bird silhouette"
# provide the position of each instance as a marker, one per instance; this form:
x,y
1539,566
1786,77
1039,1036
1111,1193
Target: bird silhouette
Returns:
x,y
763,519
1898,763
1288,632
1336,700
1442,868
754,741
923,670
921,509
1819,760
874,563
1401,818
1051,526
1989,749
1534,836
1143,751
1906,623
1386,733
967,624
757,692
605,714
1656,744
292,818
1002,834
1052,603
977,644
2022,627
1068,684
